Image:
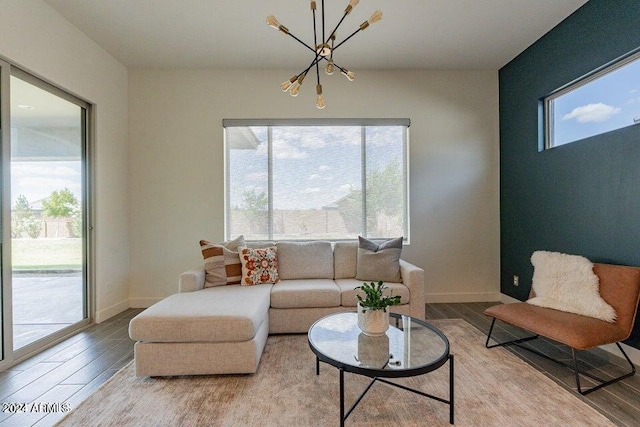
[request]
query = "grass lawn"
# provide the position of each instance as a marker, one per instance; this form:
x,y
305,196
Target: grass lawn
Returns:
x,y
39,254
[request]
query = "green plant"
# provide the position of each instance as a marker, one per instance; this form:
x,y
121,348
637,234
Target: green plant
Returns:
x,y
60,203
33,227
374,298
21,217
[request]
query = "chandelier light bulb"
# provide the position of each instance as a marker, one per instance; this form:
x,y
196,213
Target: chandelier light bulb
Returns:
x,y
320,99
330,68
377,15
295,89
350,6
350,75
286,85
273,22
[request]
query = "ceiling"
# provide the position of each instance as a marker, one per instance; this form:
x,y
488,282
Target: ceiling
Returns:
x,y
431,34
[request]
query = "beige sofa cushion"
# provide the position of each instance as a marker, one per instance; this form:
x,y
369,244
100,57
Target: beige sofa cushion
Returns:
x,y
259,244
304,293
345,258
305,260
221,314
348,292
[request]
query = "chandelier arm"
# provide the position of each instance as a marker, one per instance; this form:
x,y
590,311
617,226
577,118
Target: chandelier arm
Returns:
x,y
314,62
315,32
339,67
336,28
322,22
315,40
351,35
317,72
302,43
333,42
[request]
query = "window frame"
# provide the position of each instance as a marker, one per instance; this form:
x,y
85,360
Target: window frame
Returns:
x,y
404,122
547,101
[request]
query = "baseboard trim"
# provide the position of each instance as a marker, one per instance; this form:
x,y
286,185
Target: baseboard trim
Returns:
x,y
632,352
109,312
143,302
506,299
462,297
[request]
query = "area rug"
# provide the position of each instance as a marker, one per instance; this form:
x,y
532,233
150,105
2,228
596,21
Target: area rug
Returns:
x,y
493,388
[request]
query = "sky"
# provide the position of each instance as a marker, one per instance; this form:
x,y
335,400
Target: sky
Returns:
x,y
37,180
313,167
607,103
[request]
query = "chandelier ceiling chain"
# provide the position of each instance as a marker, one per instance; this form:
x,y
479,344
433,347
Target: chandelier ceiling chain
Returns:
x,y
323,51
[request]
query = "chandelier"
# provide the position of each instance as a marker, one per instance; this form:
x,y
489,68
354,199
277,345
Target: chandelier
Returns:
x,y
322,51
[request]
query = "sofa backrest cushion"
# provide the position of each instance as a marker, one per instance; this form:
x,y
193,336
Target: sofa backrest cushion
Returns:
x,y
345,258
305,260
259,244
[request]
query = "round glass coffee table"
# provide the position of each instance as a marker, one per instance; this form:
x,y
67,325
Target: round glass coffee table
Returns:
x,y
410,347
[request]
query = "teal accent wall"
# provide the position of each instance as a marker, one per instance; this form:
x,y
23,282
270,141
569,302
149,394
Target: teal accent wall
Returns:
x,y
581,198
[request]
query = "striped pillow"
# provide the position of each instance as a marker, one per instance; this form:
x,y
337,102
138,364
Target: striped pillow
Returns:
x,y
222,262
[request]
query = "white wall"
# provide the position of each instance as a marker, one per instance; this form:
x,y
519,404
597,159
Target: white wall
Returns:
x,y
37,38
176,173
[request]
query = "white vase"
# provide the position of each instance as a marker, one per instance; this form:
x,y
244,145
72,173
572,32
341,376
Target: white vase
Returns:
x,y
373,323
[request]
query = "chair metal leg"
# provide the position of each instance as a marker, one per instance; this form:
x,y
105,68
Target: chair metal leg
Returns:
x,y
603,383
516,342
573,366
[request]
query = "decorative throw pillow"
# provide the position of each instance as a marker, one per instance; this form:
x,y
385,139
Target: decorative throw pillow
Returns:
x,y
379,261
222,262
259,266
567,283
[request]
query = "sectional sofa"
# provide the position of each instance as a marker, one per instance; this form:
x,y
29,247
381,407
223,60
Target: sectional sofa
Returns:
x,y
223,329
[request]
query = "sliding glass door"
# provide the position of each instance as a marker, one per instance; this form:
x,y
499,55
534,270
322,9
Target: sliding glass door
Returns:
x,y
44,214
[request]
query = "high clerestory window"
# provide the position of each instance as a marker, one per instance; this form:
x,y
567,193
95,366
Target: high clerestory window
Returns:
x,y
316,179
604,101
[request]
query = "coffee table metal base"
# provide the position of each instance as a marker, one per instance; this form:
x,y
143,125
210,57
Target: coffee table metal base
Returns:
x,y
344,416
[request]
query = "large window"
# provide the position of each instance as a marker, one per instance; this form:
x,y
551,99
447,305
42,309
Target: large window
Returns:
x,y
602,102
311,179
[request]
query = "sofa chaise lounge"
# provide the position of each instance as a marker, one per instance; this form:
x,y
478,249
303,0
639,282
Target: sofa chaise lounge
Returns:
x,y
223,329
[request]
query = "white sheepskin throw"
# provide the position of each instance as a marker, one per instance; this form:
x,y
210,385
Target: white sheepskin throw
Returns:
x,y
567,283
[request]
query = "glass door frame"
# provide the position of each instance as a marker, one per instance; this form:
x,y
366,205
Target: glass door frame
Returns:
x,y
10,356
6,313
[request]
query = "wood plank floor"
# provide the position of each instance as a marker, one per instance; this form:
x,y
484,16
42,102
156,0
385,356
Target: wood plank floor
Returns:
x,y
619,402
67,372
71,370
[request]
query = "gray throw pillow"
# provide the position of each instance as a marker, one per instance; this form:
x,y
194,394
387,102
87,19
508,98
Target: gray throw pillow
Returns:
x,y
379,261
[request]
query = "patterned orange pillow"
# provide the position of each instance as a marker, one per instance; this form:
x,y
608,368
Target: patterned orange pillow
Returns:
x,y
259,266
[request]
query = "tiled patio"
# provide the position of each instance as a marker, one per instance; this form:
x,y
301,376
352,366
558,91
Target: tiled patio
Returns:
x,y
44,303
